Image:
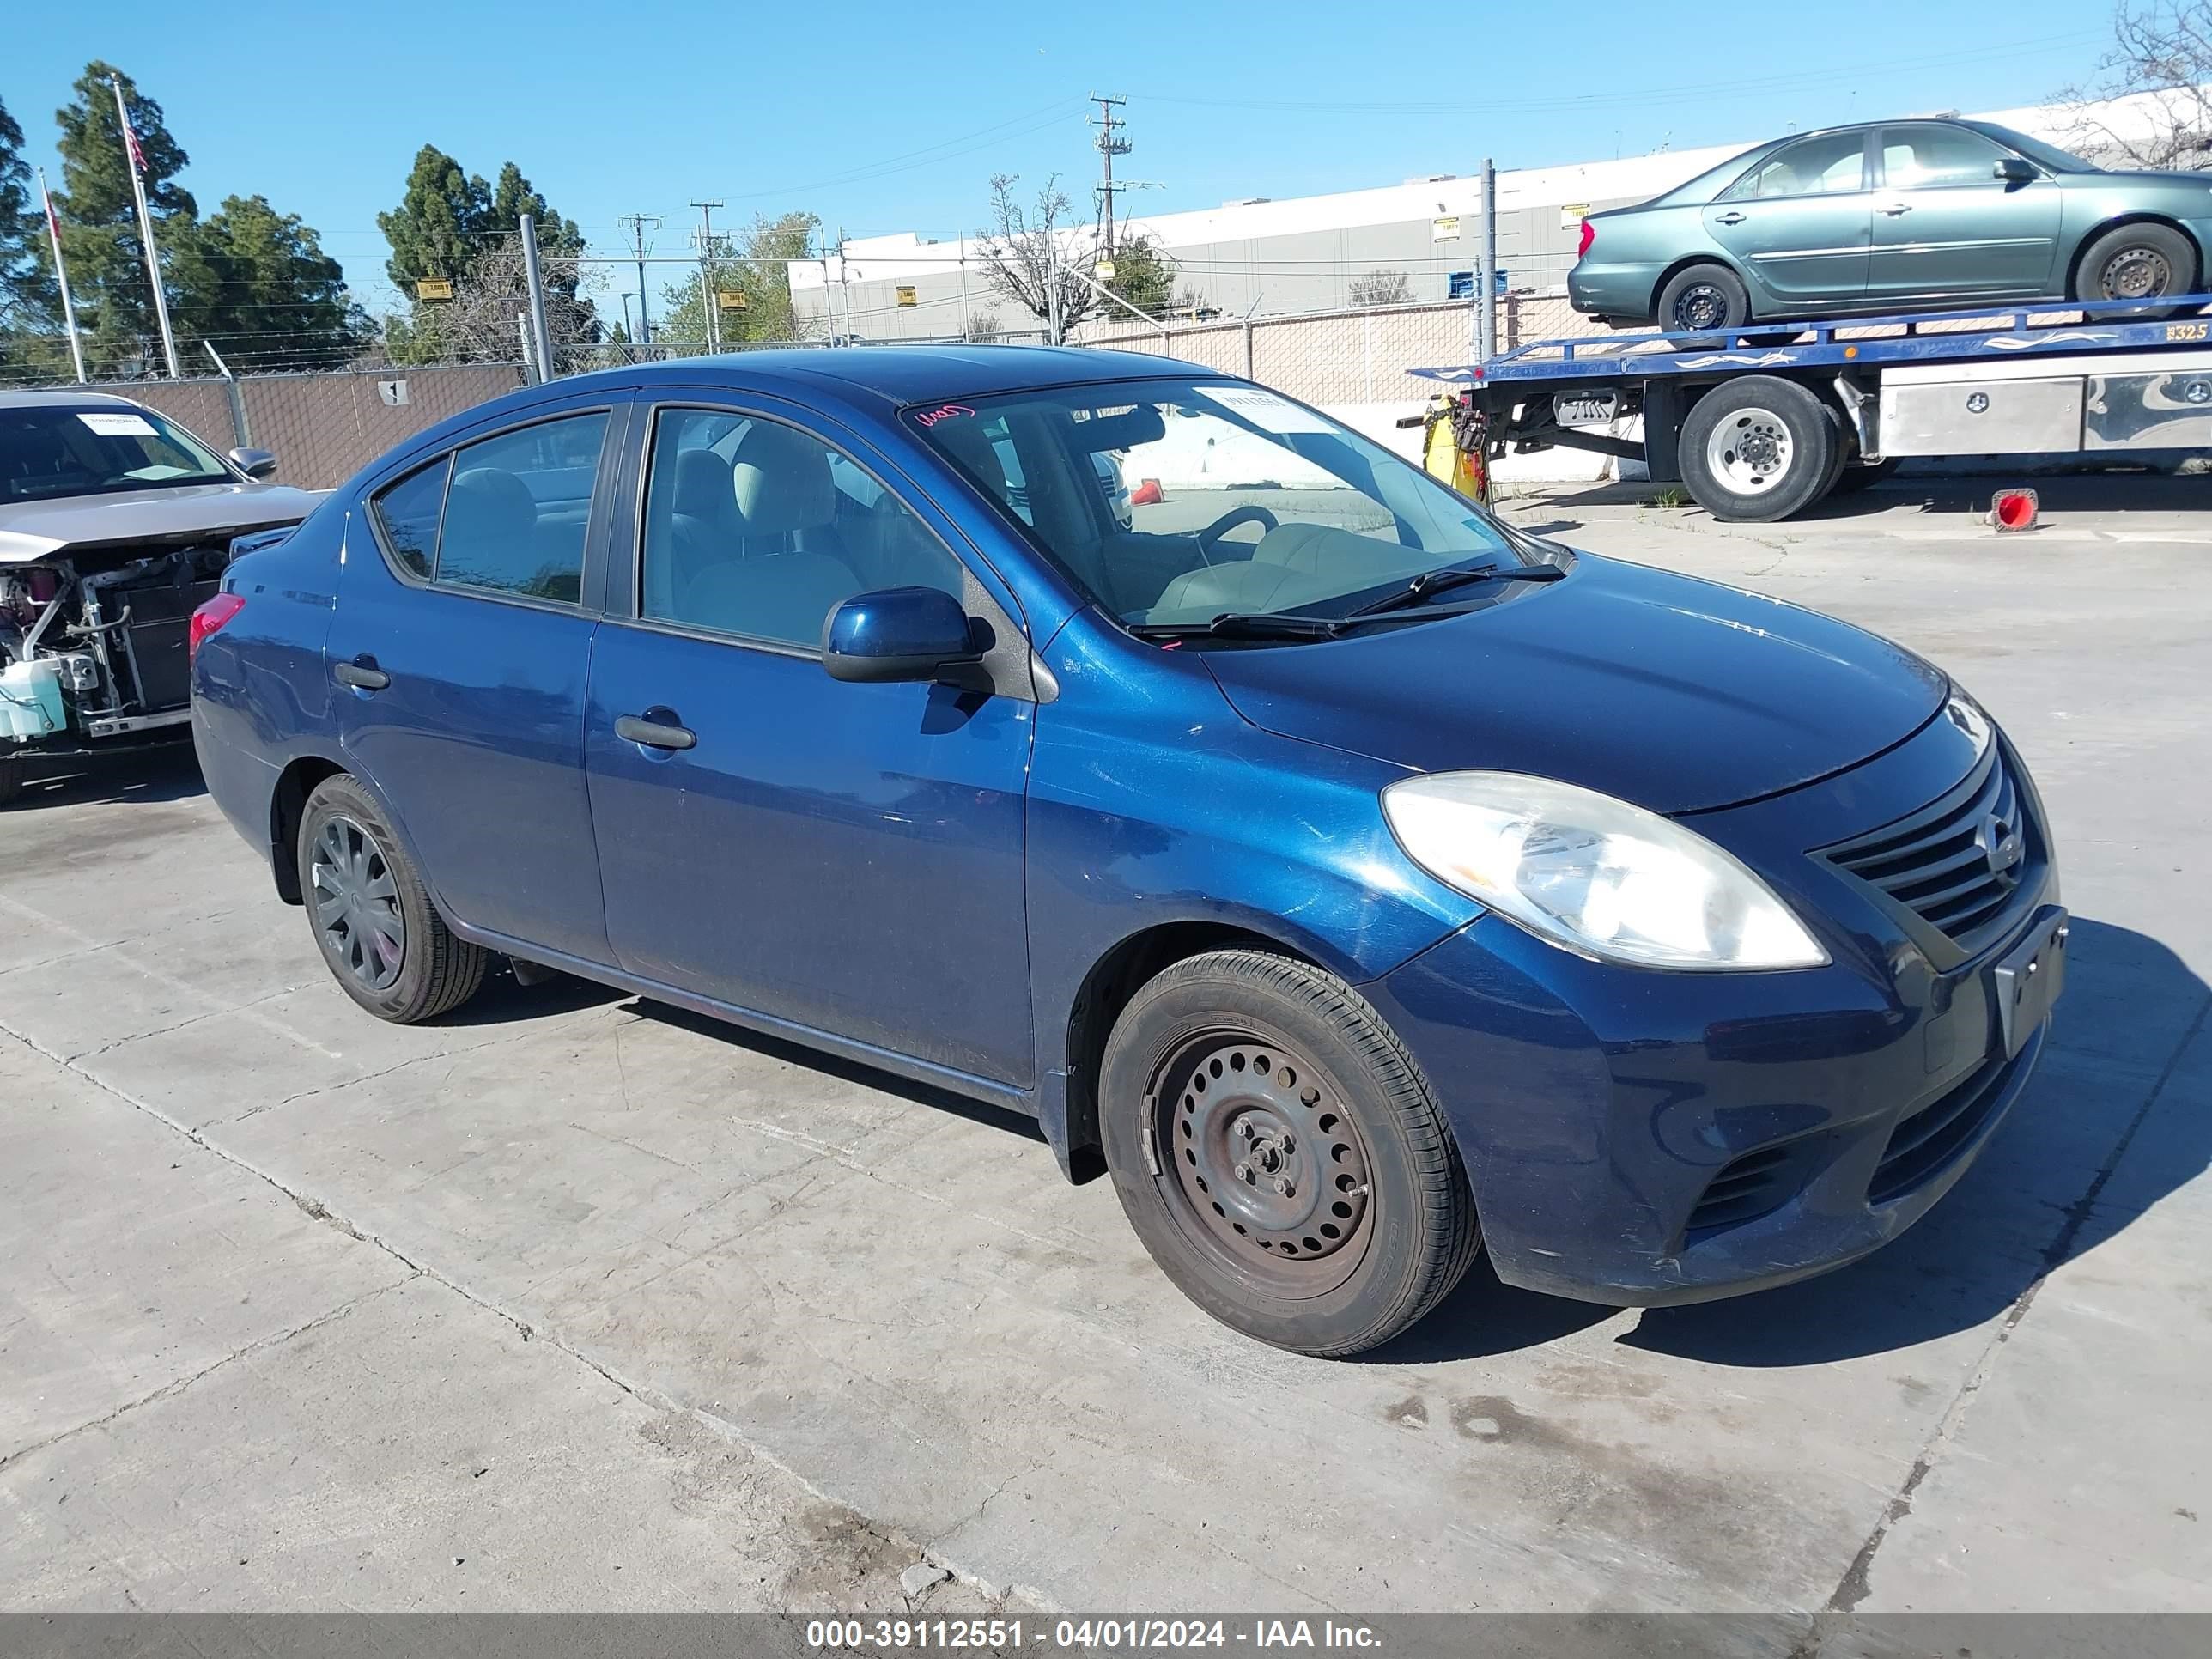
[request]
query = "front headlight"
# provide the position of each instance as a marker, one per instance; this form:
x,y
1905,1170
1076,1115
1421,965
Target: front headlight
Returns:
x,y
1594,874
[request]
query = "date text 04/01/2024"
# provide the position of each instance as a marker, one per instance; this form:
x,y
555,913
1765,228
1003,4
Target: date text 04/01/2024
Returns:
x,y
1117,1635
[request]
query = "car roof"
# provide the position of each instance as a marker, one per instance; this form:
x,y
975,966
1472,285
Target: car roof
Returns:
x,y
906,374
65,397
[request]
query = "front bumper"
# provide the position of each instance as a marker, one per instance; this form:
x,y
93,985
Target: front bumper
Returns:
x,y
1642,1138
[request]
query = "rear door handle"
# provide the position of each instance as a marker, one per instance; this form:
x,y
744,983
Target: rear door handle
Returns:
x,y
1892,209
655,734
1729,219
361,674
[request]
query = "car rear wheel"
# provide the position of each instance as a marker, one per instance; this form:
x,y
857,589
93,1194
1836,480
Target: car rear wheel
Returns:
x,y
1759,449
2137,262
1701,297
380,936
1280,1155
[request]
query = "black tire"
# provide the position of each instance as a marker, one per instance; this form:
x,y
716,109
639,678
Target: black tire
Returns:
x,y
1334,1151
1700,297
386,944
1758,450
11,779
2139,261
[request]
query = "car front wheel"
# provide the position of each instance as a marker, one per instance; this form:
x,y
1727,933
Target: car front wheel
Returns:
x,y
1280,1155
380,936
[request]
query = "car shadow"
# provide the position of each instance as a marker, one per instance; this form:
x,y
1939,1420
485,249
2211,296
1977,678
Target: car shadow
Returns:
x,y
851,1071
169,771
1956,494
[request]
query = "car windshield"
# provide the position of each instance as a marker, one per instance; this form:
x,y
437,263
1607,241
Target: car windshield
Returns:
x,y
1177,501
2043,155
66,451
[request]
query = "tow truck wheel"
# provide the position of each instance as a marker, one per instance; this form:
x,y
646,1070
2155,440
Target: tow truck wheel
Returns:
x,y
11,779
1759,449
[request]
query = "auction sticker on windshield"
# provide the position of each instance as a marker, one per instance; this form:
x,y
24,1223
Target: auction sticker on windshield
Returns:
x,y
1264,409
108,424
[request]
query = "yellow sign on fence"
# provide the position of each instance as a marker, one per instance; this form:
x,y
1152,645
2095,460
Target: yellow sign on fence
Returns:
x,y
732,299
434,288
907,296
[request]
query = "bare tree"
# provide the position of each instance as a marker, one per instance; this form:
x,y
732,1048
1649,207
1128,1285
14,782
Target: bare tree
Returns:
x,y
478,323
981,328
1382,287
2161,50
1031,255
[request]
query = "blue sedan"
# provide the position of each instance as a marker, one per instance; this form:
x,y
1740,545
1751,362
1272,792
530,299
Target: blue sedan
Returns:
x,y
1360,882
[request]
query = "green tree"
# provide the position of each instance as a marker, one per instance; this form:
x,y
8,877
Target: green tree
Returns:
x,y
451,225
1145,276
30,342
257,284
753,262
99,224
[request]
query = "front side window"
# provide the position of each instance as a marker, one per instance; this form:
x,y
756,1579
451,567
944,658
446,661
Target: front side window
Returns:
x,y
1935,158
1826,165
95,451
757,529
1175,501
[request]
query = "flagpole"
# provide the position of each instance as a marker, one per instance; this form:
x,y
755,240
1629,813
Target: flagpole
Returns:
x,y
61,275
146,229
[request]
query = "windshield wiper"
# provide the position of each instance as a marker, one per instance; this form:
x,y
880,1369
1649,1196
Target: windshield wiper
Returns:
x,y
1443,582
1241,625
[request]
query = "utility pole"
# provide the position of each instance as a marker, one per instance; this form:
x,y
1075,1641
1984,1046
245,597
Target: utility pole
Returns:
x,y
1487,292
637,224
714,323
539,338
1109,146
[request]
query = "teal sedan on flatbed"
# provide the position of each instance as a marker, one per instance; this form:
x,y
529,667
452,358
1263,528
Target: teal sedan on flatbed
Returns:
x,y
1892,216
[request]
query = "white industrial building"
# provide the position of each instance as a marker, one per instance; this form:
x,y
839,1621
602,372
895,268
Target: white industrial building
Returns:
x,y
1302,254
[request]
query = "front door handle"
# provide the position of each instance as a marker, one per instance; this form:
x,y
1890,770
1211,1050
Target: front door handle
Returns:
x,y
655,734
362,674
1892,209
1729,219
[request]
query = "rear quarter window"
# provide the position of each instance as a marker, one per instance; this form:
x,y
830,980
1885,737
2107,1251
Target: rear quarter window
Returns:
x,y
407,512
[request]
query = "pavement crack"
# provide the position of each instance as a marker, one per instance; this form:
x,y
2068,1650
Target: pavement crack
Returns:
x,y
1856,1582
167,1390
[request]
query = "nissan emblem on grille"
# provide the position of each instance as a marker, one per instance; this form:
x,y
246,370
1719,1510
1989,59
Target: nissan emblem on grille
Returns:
x,y
2001,844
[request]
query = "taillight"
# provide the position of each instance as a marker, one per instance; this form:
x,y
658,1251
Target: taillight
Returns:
x,y
209,618
1590,235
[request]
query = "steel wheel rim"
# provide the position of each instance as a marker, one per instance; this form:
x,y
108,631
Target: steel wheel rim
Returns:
x,y
1700,305
1750,450
357,903
1260,1162
2135,273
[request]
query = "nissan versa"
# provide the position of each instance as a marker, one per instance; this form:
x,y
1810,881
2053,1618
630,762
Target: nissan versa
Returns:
x,y
1362,882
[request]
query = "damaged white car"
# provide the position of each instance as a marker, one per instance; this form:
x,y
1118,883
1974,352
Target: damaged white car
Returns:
x,y
115,523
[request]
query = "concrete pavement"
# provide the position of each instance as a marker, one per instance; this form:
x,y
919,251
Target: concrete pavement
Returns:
x,y
727,1325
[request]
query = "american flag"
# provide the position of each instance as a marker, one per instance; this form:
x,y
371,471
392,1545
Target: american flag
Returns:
x,y
130,143
53,223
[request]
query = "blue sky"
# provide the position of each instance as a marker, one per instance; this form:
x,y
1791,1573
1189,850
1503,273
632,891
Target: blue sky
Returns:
x,y
892,117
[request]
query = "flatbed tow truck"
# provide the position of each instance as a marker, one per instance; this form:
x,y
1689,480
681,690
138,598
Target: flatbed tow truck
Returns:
x,y
1761,422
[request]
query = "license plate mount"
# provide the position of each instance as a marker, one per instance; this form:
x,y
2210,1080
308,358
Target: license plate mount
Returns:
x,y
1585,407
2026,979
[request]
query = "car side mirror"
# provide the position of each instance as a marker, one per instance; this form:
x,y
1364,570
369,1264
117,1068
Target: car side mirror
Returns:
x,y
897,633
2012,170
253,463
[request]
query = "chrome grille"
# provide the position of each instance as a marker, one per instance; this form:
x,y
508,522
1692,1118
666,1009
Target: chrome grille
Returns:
x,y
1944,862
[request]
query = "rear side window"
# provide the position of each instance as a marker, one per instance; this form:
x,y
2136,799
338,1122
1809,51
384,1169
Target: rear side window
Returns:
x,y
407,512
1827,165
506,514
516,509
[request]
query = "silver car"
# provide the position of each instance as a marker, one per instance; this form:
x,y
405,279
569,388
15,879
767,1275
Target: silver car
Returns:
x,y
115,524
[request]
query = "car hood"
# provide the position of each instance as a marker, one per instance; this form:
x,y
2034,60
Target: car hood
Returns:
x,y
36,530
1675,693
